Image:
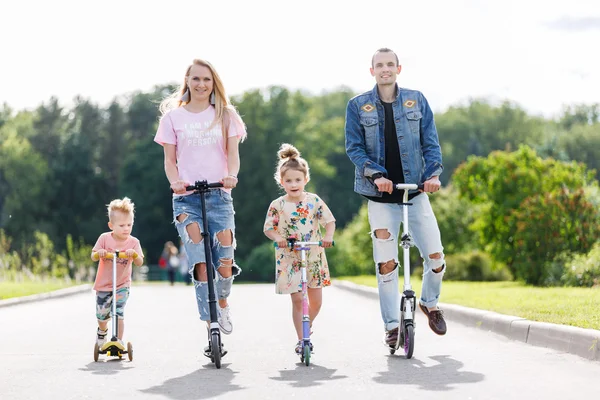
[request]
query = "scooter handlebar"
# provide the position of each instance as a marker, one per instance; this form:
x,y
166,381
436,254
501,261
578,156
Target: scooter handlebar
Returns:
x,y
409,186
203,185
319,243
110,255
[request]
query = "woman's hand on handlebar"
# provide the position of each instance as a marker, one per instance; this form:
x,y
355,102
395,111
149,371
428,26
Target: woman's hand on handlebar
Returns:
x,y
431,185
229,182
179,187
384,185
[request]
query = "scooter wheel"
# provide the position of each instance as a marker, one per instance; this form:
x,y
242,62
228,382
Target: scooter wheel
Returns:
x,y
96,351
392,351
215,345
409,341
130,351
306,355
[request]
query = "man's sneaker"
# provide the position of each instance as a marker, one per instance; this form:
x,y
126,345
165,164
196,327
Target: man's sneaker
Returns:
x,y
436,320
101,337
225,323
391,337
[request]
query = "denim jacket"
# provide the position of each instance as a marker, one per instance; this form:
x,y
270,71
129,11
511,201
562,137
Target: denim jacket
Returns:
x,y
420,151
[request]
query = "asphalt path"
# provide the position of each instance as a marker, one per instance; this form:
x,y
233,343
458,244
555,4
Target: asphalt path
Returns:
x,y
47,353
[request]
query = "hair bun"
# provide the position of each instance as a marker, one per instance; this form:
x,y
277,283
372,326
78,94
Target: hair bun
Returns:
x,y
288,151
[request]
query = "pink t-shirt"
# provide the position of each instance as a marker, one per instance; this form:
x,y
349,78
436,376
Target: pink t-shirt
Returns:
x,y
104,275
200,151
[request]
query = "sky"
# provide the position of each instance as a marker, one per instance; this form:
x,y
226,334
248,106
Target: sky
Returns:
x,y
540,55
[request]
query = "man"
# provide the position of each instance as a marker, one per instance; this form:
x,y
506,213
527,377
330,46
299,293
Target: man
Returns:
x,y
391,138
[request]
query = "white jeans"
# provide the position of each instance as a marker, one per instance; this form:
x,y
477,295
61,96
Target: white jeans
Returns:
x,y
425,233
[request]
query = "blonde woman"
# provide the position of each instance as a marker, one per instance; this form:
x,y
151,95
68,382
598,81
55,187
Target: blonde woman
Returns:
x,y
200,132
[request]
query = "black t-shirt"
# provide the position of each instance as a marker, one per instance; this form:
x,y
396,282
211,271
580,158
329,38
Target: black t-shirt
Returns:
x,y
393,163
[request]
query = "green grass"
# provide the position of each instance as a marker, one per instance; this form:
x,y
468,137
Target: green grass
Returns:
x,y
17,289
567,306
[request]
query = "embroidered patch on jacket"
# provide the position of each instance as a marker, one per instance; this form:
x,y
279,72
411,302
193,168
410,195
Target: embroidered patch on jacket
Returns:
x,y
409,103
367,107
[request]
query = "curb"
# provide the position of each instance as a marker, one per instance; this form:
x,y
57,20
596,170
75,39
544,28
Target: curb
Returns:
x,y
47,295
569,339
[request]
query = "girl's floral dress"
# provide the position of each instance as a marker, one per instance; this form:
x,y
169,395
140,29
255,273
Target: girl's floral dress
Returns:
x,y
302,220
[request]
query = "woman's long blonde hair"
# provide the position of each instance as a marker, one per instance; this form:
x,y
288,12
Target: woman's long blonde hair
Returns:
x,y
224,110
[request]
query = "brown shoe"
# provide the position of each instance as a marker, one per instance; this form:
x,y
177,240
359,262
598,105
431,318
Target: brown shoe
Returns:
x,y
391,337
436,320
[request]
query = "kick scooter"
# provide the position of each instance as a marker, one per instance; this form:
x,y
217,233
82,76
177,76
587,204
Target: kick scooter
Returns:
x,y
406,332
295,245
114,348
214,336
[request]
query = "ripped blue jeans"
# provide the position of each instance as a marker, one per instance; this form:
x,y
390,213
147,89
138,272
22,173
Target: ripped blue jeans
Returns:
x,y
425,233
220,216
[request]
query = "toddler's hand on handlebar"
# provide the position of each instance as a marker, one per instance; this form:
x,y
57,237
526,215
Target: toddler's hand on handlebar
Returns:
x,y
179,187
131,253
102,253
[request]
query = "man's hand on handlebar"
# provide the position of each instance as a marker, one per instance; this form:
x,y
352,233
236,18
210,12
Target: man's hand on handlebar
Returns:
x,y
384,185
432,185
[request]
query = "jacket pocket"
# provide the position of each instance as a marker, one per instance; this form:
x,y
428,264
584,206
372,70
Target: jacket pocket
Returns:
x,y
414,121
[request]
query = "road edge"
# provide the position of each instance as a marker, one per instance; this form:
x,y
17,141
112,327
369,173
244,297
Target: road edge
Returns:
x,y
46,295
569,339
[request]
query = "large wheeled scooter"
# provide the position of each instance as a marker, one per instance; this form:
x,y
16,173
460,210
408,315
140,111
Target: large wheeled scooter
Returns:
x,y
214,335
408,302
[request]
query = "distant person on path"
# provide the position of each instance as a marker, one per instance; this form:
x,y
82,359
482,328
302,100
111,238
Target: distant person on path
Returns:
x,y
171,255
391,138
200,132
120,223
299,214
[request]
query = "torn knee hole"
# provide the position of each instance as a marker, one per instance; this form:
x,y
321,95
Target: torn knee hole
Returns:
x,y
182,217
435,256
200,273
193,230
225,262
225,237
382,234
386,268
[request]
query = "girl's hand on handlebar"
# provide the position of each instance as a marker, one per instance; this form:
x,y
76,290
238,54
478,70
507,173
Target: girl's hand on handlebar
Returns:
x,y
384,185
102,253
178,187
327,241
281,242
229,182
431,185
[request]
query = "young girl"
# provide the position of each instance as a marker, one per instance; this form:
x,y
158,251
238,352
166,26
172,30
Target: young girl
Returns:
x,y
120,222
200,132
299,214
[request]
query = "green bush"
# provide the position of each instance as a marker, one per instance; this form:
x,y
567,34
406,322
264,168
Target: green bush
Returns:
x,y
455,216
353,252
259,266
550,224
583,269
474,266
